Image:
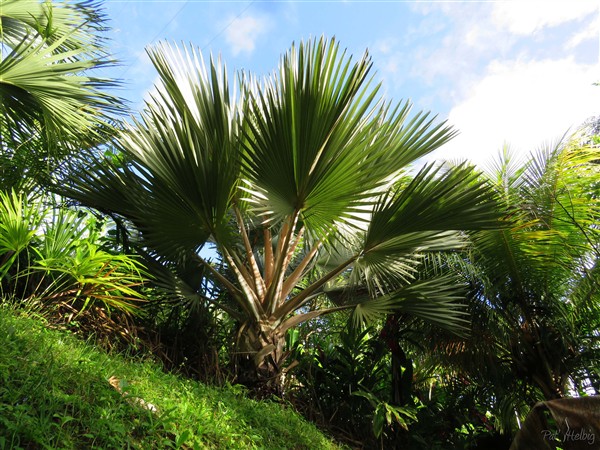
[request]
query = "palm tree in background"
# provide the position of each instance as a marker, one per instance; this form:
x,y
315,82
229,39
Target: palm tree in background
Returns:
x,y
534,286
50,105
298,184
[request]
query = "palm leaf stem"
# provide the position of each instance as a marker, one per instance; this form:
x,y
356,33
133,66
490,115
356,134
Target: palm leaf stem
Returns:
x,y
299,271
231,288
249,297
300,318
300,299
231,311
268,255
259,282
280,295
282,258
240,270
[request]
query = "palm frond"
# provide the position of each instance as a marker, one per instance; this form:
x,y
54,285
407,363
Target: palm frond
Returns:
x,y
182,161
423,216
437,301
506,173
336,142
459,199
50,101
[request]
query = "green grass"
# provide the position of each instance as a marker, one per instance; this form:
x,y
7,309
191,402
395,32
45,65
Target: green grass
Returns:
x,y
55,394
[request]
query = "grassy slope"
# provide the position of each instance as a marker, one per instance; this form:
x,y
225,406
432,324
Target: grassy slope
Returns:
x,y
54,393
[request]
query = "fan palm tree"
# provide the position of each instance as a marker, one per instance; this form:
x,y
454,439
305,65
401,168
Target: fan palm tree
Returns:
x,y
49,104
534,286
294,185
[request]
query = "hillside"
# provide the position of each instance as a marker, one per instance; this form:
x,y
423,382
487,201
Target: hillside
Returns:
x,y
59,392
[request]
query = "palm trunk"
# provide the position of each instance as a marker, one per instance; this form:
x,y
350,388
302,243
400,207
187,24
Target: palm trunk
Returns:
x,y
261,356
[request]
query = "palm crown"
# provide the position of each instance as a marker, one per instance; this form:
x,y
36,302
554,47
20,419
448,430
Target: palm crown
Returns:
x,y
300,184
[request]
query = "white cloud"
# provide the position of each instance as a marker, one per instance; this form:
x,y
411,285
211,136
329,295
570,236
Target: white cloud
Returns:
x,y
592,31
523,103
241,33
478,32
526,17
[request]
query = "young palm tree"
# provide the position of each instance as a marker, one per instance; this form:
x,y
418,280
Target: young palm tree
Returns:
x,y
49,104
296,187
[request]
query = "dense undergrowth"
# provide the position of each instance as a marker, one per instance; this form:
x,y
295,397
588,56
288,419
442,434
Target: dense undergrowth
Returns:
x,y
55,393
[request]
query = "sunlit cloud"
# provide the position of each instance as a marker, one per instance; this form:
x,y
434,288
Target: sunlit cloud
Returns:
x,y
526,17
524,104
592,31
243,33
511,71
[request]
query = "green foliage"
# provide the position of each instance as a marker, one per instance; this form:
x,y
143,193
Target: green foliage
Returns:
x,y
53,259
299,186
344,382
532,290
51,105
454,413
55,393
191,337
18,221
387,414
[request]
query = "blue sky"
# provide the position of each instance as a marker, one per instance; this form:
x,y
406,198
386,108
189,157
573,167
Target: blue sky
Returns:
x,y
519,71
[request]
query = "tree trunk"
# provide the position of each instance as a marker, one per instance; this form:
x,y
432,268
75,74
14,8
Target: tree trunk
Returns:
x,y
260,358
